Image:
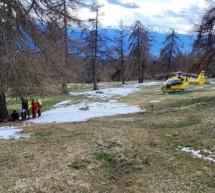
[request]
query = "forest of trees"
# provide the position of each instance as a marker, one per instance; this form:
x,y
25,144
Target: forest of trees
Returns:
x,y
37,52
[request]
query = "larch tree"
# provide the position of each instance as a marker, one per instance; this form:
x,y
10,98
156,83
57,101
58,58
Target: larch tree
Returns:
x,y
204,44
139,44
170,51
23,44
94,42
19,71
65,13
55,53
120,50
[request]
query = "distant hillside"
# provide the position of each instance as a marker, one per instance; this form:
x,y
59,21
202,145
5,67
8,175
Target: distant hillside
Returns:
x,y
158,38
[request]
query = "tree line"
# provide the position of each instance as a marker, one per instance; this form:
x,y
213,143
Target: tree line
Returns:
x,y
37,52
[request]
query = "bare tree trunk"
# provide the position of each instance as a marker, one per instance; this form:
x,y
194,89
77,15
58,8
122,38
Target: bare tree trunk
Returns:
x,y
170,68
64,84
65,87
3,107
123,72
122,63
140,69
95,86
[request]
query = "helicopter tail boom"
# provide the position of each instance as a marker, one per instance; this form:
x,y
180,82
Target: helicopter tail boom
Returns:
x,y
200,79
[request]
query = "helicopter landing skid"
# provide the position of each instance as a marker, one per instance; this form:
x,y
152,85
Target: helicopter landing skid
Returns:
x,y
164,90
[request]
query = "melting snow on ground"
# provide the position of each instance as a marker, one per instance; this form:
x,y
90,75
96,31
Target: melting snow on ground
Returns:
x,y
210,155
65,112
137,85
155,101
107,93
86,110
11,132
63,103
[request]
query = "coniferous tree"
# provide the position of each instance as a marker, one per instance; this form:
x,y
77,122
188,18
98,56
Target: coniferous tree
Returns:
x,y
95,48
204,44
55,52
63,12
170,51
139,48
120,49
22,45
17,32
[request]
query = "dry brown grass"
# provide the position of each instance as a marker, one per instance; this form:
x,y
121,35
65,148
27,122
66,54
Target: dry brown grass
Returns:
x,y
132,153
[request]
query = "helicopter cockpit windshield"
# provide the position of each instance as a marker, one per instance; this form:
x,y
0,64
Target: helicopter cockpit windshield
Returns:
x,y
173,82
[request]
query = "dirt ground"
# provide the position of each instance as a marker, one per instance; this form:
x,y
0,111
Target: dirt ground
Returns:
x,y
132,153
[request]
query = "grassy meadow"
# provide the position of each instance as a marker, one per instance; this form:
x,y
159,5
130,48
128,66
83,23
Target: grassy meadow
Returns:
x,y
133,153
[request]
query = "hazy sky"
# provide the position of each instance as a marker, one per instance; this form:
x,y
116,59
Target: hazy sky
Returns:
x,y
161,14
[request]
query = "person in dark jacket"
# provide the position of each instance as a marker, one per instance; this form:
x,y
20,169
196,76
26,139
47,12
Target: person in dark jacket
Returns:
x,y
24,109
14,116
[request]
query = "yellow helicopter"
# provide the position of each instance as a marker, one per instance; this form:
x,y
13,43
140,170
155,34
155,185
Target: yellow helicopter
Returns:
x,y
180,82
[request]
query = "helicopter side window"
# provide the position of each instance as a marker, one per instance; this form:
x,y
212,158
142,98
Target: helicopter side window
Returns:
x,y
174,82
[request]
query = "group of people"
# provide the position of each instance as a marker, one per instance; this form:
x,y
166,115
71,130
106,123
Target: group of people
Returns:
x,y
30,108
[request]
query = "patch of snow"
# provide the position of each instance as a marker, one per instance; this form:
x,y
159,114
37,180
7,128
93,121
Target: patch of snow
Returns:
x,y
107,93
113,101
137,85
155,101
84,111
7,132
198,154
63,103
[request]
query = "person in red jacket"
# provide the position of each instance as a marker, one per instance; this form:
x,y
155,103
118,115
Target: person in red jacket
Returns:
x,y
35,106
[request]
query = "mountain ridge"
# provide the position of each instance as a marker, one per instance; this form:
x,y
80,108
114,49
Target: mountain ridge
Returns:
x,y
157,39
